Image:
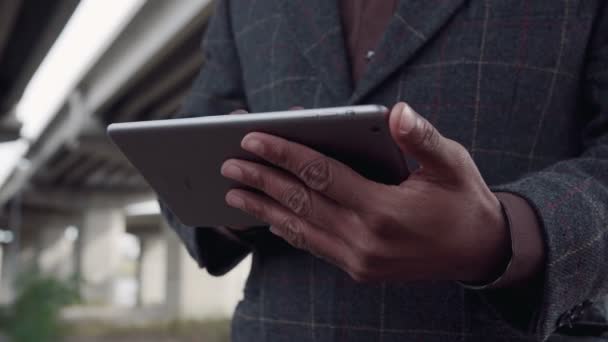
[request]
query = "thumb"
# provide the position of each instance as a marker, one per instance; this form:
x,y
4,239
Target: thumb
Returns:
x,y
419,139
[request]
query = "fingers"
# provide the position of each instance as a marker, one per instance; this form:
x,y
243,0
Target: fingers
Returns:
x,y
318,172
420,139
287,191
288,226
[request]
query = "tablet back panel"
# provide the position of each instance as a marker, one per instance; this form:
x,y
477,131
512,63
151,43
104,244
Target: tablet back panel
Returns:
x,y
181,158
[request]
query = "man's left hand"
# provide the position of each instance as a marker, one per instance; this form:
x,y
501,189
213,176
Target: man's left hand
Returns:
x,y
442,223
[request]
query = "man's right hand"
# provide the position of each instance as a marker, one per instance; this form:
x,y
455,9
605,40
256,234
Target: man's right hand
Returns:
x,y
228,230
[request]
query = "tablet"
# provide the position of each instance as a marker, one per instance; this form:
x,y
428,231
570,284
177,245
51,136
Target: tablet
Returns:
x,y
181,158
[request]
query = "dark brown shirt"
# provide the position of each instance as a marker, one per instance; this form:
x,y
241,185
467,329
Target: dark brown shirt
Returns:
x,y
364,23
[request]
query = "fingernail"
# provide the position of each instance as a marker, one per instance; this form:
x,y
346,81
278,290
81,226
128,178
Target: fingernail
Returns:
x,y
274,230
253,145
408,120
232,171
234,200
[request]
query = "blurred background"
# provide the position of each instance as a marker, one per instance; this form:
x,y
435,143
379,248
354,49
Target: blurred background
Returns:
x,y
85,254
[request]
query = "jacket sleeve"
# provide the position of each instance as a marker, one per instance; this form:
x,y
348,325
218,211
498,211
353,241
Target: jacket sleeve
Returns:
x,y
570,199
218,89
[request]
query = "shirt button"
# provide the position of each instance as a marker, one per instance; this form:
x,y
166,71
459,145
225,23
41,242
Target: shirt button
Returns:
x,y
369,55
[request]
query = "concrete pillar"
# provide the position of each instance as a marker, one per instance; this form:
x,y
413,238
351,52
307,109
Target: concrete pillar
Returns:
x,y
8,275
192,293
39,244
1,264
16,257
151,269
99,254
10,253
56,252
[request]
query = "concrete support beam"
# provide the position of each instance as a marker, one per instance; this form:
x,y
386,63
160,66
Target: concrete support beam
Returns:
x,y
192,293
56,252
17,257
64,127
151,270
11,263
9,274
10,127
100,147
75,200
9,11
154,31
30,28
39,242
154,91
99,256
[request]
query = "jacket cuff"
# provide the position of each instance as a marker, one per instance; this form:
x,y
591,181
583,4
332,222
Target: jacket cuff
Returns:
x,y
527,251
527,242
567,280
209,248
219,252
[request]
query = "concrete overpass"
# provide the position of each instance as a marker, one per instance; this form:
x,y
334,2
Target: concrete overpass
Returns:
x,y
27,31
71,175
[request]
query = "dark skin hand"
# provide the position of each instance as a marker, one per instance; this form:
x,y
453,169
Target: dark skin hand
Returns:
x,y
442,223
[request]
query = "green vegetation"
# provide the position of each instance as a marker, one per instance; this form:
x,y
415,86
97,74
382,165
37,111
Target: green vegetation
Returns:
x,y
35,313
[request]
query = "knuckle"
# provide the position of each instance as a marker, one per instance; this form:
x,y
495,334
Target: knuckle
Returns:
x,y
316,174
255,178
298,200
280,155
377,223
366,254
257,210
293,232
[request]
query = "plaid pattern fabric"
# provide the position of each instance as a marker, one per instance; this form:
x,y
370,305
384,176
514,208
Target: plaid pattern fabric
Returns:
x,y
523,85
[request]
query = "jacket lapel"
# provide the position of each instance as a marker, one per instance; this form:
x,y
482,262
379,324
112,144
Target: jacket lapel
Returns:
x,y
412,26
317,29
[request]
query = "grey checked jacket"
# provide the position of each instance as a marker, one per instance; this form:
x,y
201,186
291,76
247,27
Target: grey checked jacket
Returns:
x,y
523,85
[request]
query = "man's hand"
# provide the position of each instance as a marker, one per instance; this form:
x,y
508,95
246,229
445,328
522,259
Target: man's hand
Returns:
x,y
441,223
229,230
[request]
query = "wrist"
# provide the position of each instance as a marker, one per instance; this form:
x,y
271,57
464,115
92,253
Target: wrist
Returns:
x,y
501,261
527,242
527,245
494,247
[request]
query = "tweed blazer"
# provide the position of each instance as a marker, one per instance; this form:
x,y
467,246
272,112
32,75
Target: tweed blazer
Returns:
x,y
523,85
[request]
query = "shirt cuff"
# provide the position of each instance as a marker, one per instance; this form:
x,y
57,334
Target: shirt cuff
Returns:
x,y
527,245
